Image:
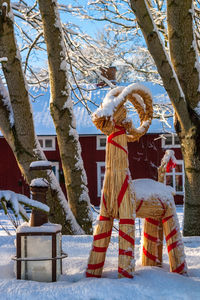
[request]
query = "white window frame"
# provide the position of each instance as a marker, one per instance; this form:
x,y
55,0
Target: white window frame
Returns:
x,y
99,176
173,173
56,165
173,145
52,138
98,138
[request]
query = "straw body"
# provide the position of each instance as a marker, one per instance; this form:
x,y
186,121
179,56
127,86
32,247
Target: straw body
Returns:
x,y
117,202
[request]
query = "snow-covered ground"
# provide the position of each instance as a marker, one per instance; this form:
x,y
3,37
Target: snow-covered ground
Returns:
x,y
148,283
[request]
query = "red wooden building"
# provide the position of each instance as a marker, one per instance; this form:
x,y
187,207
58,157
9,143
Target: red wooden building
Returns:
x,y
144,156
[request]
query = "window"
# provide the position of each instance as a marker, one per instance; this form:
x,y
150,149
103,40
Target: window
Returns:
x,y
175,178
100,177
101,142
47,143
170,141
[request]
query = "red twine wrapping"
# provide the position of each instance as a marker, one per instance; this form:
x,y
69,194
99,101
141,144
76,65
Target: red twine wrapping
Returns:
x,y
152,221
171,234
92,275
170,165
166,219
126,252
104,201
126,237
179,269
123,191
102,235
150,237
172,246
139,206
114,134
99,249
149,255
127,222
102,218
124,273
95,266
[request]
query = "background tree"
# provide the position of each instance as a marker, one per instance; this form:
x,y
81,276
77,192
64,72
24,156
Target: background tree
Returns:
x,y
16,124
62,113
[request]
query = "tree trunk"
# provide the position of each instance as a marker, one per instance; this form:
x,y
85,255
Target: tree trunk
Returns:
x,y
191,154
20,134
185,61
63,116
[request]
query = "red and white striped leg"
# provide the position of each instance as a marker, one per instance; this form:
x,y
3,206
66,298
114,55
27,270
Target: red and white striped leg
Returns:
x,y
150,242
174,242
126,263
101,239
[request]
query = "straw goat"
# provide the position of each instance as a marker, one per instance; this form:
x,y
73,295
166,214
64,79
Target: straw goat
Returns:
x,y
119,198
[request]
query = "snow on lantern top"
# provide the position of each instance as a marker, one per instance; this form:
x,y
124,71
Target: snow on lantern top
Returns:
x,y
41,165
39,182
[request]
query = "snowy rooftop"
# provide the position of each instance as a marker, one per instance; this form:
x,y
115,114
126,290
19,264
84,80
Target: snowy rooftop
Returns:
x,y
44,123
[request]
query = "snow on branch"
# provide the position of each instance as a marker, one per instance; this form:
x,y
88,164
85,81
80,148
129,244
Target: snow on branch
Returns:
x,y
5,99
17,200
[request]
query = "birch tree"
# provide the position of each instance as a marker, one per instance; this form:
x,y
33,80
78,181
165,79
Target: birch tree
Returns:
x,y
16,124
62,113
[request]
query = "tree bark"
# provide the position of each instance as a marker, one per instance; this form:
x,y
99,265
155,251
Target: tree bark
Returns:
x,y
162,61
180,77
63,116
191,155
20,135
184,59
182,47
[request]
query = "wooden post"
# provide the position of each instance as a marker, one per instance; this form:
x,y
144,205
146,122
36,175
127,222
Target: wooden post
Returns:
x,y
38,188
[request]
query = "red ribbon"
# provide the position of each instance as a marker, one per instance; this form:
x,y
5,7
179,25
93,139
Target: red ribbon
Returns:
x,y
125,252
127,222
124,273
164,210
102,235
172,246
104,201
92,275
166,219
117,133
150,237
171,234
99,249
126,237
152,221
123,190
170,165
149,255
95,266
179,269
102,218
139,206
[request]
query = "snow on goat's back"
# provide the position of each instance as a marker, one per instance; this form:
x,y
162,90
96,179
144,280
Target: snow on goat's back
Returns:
x,y
148,188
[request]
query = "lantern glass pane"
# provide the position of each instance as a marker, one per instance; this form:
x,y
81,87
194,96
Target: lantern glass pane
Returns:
x,y
36,247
